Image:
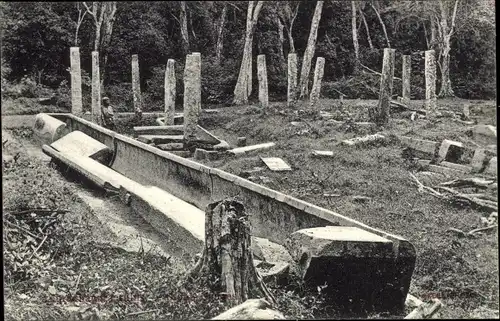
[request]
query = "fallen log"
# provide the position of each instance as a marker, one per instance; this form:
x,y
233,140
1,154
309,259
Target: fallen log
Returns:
x,y
403,106
473,181
252,309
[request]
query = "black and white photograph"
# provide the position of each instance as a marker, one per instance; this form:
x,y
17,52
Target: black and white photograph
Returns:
x,y
249,160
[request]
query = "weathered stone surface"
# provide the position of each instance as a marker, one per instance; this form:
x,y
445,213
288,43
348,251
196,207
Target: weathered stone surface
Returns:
x,y
450,150
278,272
380,114
181,153
241,141
213,155
251,309
96,89
159,130
466,111
262,77
318,77
192,96
425,146
448,171
492,167
365,139
78,144
322,153
430,82
160,139
276,164
48,129
292,79
76,81
170,92
136,84
486,130
458,167
424,163
200,154
478,160
171,146
268,251
246,149
222,146
406,74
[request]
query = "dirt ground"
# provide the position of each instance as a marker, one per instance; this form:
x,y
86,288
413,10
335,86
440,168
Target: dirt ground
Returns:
x,y
461,272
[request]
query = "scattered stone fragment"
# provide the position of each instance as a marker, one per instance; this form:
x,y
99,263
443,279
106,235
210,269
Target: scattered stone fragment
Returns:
x,y
276,164
444,170
320,153
222,146
212,155
361,199
241,141
160,139
422,145
181,153
246,149
278,272
268,251
200,154
360,140
265,179
486,130
466,111
171,146
478,160
459,167
492,167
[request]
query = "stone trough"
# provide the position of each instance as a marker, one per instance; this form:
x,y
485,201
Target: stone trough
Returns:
x,y
172,192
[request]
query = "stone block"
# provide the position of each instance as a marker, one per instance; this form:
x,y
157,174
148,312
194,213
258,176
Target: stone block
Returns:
x,y
171,146
478,160
422,145
491,169
78,144
486,130
448,171
160,139
458,167
241,141
48,129
212,155
200,154
450,151
246,149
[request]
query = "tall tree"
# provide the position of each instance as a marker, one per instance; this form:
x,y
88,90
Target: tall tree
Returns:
x,y
103,16
355,36
220,33
309,53
374,5
243,86
287,12
367,29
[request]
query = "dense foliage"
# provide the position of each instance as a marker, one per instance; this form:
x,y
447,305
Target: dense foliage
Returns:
x,y
36,38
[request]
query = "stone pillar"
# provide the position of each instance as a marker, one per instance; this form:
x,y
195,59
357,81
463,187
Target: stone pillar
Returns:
x,y
192,96
318,76
76,81
406,92
292,79
430,82
96,88
197,88
136,84
262,76
170,92
380,114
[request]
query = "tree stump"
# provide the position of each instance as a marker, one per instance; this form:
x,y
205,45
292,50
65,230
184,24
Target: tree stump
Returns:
x,y
227,260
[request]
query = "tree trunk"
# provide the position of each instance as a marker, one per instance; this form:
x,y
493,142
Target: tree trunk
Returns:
x,y
290,41
309,53
227,261
244,83
184,28
446,89
380,114
355,37
107,31
220,35
366,28
382,24
282,41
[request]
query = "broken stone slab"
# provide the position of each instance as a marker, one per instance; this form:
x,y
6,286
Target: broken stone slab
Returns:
x,y
160,139
486,130
448,171
278,272
241,141
322,153
423,163
365,139
425,146
450,151
171,146
246,149
251,309
77,143
492,167
200,154
478,160
48,129
458,167
159,130
178,119
222,146
212,155
267,251
343,258
276,164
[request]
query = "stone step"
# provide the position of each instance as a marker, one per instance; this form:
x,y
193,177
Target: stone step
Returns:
x,y
160,139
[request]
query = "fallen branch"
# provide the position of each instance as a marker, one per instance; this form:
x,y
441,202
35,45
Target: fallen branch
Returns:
x,y
422,187
457,196
482,229
39,246
39,210
142,312
23,229
376,72
473,181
